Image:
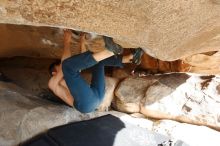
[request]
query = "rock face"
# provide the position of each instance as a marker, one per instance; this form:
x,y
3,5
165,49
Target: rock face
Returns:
x,y
41,42
158,66
19,110
129,94
110,86
190,134
205,63
47,42
168,30
23,116
188,98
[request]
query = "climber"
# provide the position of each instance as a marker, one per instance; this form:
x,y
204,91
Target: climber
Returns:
x,y
67,83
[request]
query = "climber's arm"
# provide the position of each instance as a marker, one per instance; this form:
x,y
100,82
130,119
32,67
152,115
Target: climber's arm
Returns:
x,y
66,44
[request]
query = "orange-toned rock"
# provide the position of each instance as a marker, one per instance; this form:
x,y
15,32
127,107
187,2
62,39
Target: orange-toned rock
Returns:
x,y
149,62
157,65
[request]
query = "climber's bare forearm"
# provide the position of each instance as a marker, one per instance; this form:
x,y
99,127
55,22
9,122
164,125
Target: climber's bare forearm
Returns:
x,y
66,44
66,54
64,94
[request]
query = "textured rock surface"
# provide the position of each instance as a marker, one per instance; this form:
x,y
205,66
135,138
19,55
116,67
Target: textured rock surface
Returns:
x,y
136,136
168,30
42,42
204,63
158,66
188,98
23,116
121,73
190,134
29,73
130,92
110,86
46,42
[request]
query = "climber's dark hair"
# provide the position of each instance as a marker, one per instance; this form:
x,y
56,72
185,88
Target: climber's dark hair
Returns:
x,y
52,65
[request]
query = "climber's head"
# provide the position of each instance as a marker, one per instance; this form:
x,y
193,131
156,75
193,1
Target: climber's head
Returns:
x,y
53,68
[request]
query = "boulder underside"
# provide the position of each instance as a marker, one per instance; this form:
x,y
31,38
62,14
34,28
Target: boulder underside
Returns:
x,y
167,30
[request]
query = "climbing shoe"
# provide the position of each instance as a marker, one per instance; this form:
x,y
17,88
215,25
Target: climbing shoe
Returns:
x,y
137,54
112,46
